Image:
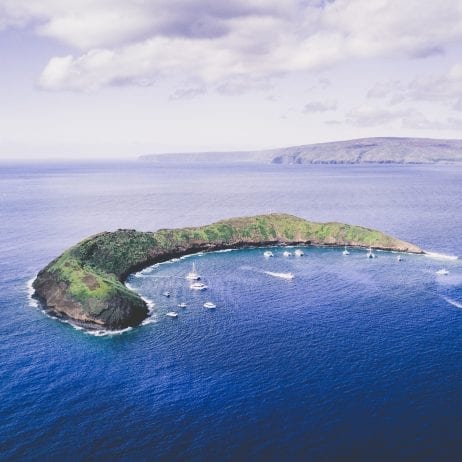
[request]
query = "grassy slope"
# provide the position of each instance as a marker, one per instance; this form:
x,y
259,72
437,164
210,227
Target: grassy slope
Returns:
x,y
94,268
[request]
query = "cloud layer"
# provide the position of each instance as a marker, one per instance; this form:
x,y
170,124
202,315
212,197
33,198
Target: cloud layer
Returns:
x,y
118,42
443,88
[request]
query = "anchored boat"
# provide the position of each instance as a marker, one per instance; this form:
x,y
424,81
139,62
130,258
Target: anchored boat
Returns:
x,y
198,286
193,275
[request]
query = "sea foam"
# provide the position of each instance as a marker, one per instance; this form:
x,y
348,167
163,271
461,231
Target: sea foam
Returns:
x,y
30,292
441,256
105,333
453,302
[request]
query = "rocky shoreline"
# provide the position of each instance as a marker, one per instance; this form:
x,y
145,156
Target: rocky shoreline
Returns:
x,y
85,285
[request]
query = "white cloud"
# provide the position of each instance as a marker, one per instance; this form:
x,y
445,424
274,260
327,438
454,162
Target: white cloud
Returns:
x,y
417,120
87,24
444,88
369,115
138,42
320,106
410,118
188,92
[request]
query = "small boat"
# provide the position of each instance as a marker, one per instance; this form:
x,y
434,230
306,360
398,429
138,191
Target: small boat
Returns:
x,y
286,254
198,286
399,258
299,253
268,254
345,251
182,305
193,275
442,272
370,254
209,305
166,294
172,314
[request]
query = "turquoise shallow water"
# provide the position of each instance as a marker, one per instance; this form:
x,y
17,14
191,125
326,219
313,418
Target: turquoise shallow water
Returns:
x,y
354,359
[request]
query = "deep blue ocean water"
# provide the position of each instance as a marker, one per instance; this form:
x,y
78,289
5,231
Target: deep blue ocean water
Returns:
x,y
354,359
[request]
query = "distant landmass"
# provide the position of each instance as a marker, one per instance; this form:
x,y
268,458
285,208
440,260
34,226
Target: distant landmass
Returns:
x,y
359,151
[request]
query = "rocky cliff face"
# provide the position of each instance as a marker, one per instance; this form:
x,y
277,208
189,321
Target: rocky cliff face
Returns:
x,y
388,150
116,309
85,284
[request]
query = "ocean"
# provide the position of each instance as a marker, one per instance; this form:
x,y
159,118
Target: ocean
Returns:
x,y
353,359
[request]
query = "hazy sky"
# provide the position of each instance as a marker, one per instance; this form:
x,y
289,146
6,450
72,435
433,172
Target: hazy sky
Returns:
x,y
106,78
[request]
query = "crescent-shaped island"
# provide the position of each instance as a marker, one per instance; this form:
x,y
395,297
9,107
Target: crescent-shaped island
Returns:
x,y
85,284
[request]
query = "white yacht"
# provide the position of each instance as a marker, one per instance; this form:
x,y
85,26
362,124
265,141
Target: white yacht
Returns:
x,y
166,294
198,286
299,253
345,251
442,272
172,314
399,258
209,305
286,254
268,254
182,305
370,254
193,275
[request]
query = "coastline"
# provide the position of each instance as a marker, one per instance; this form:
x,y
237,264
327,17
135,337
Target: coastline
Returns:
x,y
87,283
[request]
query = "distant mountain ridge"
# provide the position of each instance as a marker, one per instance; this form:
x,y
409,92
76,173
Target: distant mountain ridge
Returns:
x,y
364,150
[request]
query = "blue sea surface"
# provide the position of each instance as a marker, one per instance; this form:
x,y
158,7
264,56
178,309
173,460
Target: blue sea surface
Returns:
x,y
354,359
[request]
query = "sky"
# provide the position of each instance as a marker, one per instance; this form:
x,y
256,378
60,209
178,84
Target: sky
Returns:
x,y
92,79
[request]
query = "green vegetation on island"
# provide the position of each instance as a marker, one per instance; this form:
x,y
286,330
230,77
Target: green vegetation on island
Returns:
x,y
86,283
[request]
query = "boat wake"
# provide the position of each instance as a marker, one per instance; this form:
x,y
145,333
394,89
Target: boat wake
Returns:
x,y
441,256
269,273
453,302
280,275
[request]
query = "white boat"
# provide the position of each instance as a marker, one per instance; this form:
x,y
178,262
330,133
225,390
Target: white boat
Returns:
x,y
442,272
193,275
370,254
299,253
166,294
399,258
209,305
286,254
280,275
345,251
268,254
182,305
198,286
172,314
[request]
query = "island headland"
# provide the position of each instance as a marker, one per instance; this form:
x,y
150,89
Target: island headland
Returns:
x,y
380,150
85,284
